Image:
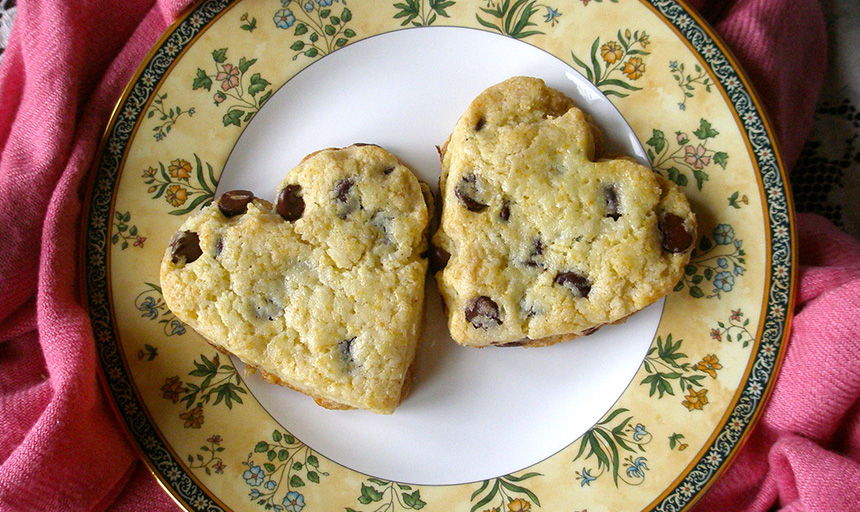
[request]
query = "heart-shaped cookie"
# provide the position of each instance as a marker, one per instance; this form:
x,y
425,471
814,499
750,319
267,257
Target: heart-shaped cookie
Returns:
x,y
322,291
541,242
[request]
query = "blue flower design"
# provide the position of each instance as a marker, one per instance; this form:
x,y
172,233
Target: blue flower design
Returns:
x,y
724,281
637,468
724,234
270,485
254,475
324,3
286,3
673,65
148,307
191,112
309,6
639,432
284,18
722,263
294,502
587,478
551,15
255,493
682,106
177,328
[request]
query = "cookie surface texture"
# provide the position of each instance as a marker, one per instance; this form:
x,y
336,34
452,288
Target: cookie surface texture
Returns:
x,y
321,291
545,241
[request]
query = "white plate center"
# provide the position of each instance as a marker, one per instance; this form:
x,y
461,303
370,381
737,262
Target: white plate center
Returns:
x,y
473,414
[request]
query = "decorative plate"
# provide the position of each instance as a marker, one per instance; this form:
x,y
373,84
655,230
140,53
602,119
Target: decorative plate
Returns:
x,y
642,415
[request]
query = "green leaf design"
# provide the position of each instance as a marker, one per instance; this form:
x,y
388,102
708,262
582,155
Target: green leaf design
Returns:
x,y
503,486
244,64
676,176
233,117
721,158
257,85
220,55
413,500
705,131
513,19
202,80
657,140
701,177
370,493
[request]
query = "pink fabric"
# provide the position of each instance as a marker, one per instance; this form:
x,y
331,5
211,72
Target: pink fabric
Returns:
x,y
60,446
62,449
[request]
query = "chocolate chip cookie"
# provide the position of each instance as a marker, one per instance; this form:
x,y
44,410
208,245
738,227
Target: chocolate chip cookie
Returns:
x,y
321,291
542,240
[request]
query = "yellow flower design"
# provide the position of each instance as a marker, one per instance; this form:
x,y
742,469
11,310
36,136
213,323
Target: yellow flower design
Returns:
x,y
709,364
180,169
695,400
644,41
611,52
193,418
634,68
176,195
149,172
172,388
519,505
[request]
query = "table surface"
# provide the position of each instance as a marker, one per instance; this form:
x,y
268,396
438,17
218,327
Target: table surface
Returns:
x,y
826,178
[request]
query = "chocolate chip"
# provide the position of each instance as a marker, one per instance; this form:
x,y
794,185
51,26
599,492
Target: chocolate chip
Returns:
x,y
269,309
612,206
185,244
577,283
438,258
676,238
219,246
235,202
345,198
483,312
291,206
388,170
537,250
342,188
480,124
345,348
465,192
505,212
